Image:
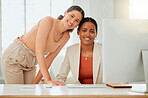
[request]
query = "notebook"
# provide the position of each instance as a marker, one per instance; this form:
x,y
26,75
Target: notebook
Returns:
x,y
119,85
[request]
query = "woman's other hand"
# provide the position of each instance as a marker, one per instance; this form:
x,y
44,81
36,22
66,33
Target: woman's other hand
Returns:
x,y
56,83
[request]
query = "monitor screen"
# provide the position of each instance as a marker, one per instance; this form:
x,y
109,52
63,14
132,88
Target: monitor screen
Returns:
x,y
123,40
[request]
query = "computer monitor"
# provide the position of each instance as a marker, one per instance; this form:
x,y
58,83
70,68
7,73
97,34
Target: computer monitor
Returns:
x,y
123,40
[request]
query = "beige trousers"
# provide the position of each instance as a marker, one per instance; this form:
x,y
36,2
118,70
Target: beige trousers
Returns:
x,y
18,64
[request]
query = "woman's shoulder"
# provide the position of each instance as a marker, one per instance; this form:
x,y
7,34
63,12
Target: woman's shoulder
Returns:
x,y
74,46
48,19
98,45
51,18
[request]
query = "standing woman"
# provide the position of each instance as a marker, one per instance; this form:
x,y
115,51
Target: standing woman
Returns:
x,y
48,36
84,60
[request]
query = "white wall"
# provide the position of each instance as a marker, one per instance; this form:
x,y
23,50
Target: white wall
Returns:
x,y
121,8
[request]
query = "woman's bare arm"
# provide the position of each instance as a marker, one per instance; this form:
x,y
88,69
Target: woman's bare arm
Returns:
x,y
39,75
49,59
44,28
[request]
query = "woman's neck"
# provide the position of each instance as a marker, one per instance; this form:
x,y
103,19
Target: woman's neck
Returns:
x,y
87,50
59,30
60,27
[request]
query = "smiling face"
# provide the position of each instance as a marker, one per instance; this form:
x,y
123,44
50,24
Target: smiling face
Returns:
x,y
87,33
72,19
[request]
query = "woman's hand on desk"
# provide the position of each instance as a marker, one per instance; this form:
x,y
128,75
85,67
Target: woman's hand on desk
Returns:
x,y
56,83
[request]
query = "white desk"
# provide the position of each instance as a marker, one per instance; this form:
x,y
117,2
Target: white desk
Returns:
x,y
15,90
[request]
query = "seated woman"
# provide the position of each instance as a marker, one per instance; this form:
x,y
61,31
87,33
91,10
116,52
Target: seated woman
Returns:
x,y
85,59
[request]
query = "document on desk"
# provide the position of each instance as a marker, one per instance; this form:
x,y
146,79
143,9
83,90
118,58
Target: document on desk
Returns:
x,y
86,85
26,86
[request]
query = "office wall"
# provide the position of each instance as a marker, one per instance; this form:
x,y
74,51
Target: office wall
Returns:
x,y
121,8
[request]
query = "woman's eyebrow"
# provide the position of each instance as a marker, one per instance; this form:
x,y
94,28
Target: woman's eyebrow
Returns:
x,y
92,29
75,16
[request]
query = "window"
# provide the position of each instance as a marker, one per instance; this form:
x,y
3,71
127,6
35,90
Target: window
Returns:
x,y
12,21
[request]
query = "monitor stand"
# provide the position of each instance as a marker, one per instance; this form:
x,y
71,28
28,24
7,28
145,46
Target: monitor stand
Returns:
x,y
145,66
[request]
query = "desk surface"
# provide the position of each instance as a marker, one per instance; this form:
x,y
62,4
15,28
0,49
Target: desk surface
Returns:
x,y
16,90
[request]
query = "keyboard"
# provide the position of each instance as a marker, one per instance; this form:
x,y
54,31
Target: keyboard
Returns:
x,y
86,85
28,86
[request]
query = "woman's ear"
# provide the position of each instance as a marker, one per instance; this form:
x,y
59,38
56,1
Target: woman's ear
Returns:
x,y
78,31
65,12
